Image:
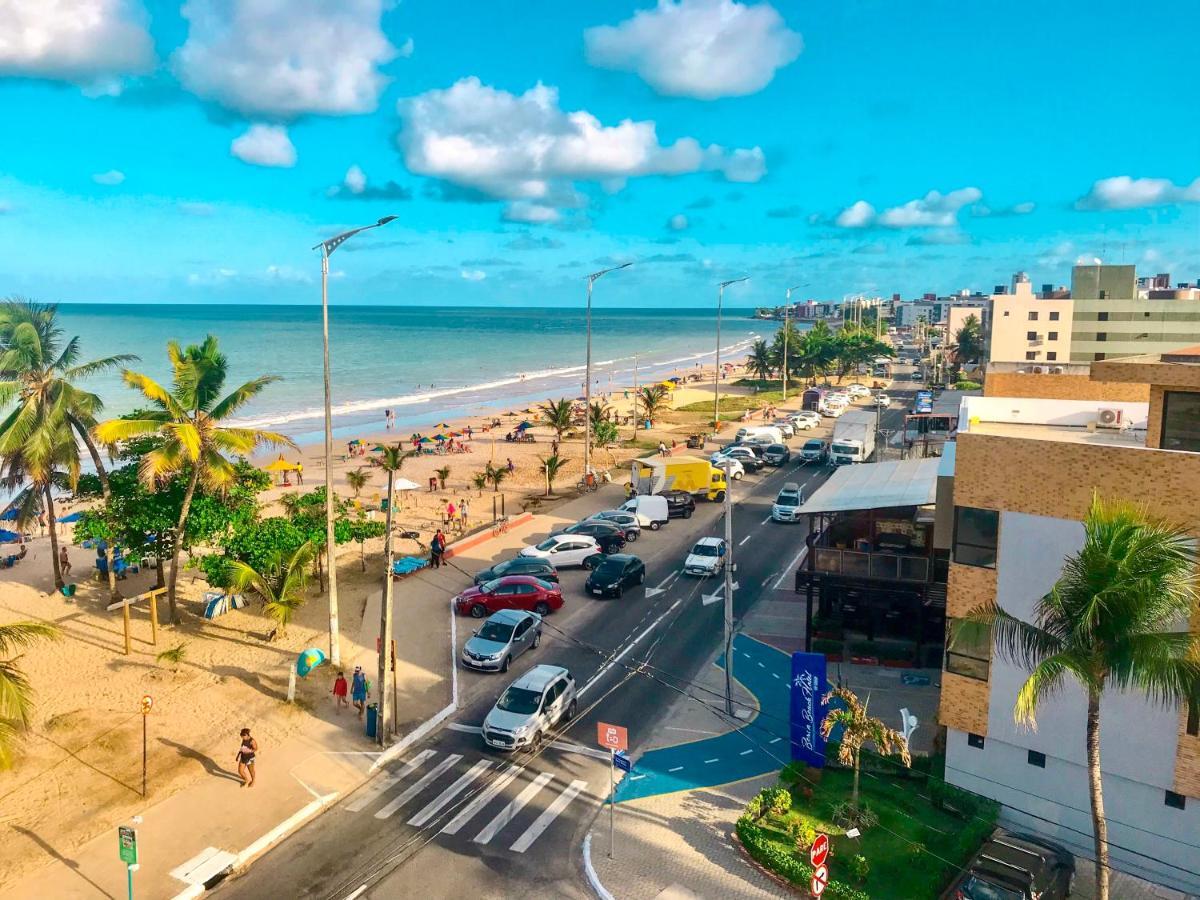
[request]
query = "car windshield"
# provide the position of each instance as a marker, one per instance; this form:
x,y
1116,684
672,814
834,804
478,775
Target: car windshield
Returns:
x,y
519,700
609,569
705,550
787,500
547,544
496,631
813,445
777,448
975,888
490,587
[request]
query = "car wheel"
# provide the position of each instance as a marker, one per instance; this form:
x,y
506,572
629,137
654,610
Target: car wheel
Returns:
x,y
542,608
738,476
537,640
631,537
720,498
478,611
504,665
642,577
570,714
587,564
654,526
687,513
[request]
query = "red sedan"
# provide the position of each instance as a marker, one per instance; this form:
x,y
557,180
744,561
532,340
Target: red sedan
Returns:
x,y
510,592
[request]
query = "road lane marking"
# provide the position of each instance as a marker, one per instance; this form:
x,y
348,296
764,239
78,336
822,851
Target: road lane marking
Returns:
x,y
636,777
472,809
465,729
790,566
443,799
775,741
746,538
616,659
415,789
509,812
676,769
386,782
551,813
745,753
707,761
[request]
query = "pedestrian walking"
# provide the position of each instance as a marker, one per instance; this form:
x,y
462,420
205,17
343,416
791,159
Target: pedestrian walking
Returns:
x,y
299,473
358,690
340,691
662,449
436,548
512,467
245,758
464,511
451,509
64,561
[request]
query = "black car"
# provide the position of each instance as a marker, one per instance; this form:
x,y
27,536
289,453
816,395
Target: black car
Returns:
x,y
776,455
1011,866
609,536
615,573
519,565
756,449
680,504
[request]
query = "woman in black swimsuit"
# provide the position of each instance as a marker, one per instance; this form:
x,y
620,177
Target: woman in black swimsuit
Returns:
x,y
245,758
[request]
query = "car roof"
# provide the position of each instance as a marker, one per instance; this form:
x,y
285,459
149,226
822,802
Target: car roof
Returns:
x,y
709,542
524,561
621,558
519,579
509,616
790,486
777,447
563,536
538,677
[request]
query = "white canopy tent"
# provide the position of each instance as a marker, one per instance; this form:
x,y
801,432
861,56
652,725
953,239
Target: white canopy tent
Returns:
x,y
910,482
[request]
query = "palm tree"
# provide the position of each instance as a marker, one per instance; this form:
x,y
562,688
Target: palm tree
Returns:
x,y
494,475
280,585
551,466
391,460
357,480
480,481
16,694
442,474
857,729
760,361
652,399
37,497
38,369
968,340
1112,620
557,414
188,418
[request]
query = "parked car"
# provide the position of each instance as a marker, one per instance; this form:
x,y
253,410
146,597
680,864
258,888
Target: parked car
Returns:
x,y
815,450
786,426
706,558
810,414
652,511
858,389
608,535
530,708
786,504
731,465
614,574
883,401
680,504
510,592
626,520
564,549
501,639
519,565
750,461
1012,866
805,421
777,455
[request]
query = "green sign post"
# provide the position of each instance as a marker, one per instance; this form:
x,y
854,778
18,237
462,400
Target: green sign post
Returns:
x,y
127,846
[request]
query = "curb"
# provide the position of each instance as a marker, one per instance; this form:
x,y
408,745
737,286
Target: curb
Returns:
x,y
475,540
590,871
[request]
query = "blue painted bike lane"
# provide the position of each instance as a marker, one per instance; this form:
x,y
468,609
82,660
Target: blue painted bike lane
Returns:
x,y
763,671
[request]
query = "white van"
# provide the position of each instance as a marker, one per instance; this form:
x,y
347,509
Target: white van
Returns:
x,y
759,434
650,509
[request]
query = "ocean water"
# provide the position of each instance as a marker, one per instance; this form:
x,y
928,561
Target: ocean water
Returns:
x,y
426,363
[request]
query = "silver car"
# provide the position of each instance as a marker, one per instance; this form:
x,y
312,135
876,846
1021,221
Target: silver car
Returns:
x,y
531,707
504,636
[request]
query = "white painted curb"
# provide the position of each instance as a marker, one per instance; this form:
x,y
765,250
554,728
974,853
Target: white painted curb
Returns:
x,y
590,871
397,749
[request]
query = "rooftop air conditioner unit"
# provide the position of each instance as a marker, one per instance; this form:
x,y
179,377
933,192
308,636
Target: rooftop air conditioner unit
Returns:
x,y
1038,370
1020,371
1108,417
1057,370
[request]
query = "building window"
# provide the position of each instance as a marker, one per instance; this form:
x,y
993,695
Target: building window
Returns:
x,y
1102,317
1006,313
1051,356
976,741
1174,800
1031,336
1102,335
1036,759
1032,316
966,656
1052,336
975,536
1180,421
1098,357
1054,317
1031,354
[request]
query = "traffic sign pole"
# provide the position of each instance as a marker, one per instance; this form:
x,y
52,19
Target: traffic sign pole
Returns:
x,y
818,854
612,794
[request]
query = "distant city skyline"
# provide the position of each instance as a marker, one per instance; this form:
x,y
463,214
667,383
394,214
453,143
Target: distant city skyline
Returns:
x,y
193,153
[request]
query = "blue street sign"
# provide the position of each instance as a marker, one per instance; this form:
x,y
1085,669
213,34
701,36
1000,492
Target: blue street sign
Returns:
x,y
807,711
622,762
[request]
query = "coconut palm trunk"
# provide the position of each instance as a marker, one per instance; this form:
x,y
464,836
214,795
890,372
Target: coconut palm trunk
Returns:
x,y
1096,789
386,713
50,523
106,492
173,575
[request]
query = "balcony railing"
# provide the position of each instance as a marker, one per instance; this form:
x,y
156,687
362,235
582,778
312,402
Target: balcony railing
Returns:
x,y
859,564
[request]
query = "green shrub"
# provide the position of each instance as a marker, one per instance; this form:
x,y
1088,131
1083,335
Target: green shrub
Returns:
x,y
803,834
967,386
866,648
846,815
859,867
777,801
771,856
825,645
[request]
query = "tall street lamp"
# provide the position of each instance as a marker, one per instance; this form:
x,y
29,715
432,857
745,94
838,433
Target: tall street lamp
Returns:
x,y
717,375
587,378
327,247
787,308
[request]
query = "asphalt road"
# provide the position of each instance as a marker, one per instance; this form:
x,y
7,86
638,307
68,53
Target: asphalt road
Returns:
x,y
455,819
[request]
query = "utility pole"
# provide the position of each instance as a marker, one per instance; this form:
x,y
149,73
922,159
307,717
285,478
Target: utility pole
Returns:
x,y
728,591
635,393
717,374
587,380
786,312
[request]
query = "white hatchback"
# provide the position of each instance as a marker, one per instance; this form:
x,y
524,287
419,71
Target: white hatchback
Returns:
x,y
706,558
564,549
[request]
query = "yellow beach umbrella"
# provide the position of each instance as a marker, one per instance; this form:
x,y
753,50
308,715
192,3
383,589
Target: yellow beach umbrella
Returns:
x,y
281,465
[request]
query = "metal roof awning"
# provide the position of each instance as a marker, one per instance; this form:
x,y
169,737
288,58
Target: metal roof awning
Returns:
x,y
910,482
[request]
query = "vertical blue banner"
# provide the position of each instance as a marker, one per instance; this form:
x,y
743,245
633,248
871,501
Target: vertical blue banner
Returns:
x,y
808,688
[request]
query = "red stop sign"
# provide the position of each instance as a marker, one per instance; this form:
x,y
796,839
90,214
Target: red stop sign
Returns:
x,y
819,852
820,878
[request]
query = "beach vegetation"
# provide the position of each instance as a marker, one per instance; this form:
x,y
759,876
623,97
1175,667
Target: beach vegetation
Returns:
x,y
551,467
558,415
1116,620
848,713
174,657
363,530
16,694
188,418
761,361
479,481
442,474
968,342
357,479
279,583
652,399
493,475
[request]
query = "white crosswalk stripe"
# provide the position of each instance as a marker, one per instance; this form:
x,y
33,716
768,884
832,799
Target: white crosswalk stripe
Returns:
x,y
443,799
549,814
383,784
472,809
509,812
419,786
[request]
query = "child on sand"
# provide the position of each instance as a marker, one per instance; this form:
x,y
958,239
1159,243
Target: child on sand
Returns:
x,y
340,690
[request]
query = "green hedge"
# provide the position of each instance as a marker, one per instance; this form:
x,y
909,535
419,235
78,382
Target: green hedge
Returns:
x,y
967,386
827,645
787,865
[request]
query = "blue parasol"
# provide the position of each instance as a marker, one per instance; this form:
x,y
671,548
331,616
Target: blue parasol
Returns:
x,y
8,537
73,517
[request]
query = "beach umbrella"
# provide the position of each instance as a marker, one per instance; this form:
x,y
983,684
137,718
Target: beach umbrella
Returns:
x,y
73,517
8,537
426,440
439,437
10,515
511,413
403,484
444,425
308,660
280,465
675,379
378,448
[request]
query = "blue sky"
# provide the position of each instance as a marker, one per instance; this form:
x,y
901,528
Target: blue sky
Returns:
x,y
195,153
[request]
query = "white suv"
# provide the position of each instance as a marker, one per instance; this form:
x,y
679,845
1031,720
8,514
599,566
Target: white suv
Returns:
x,y
531,708
706,558
787,503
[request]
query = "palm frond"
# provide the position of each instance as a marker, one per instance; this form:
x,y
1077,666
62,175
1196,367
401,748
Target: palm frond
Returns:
x,y
25,634
238,398
116,430
97,366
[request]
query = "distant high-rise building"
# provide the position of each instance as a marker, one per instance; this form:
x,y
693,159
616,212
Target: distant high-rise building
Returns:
x,y
1112,318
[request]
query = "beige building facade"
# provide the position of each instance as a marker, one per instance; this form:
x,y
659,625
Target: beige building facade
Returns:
x,y
1024,328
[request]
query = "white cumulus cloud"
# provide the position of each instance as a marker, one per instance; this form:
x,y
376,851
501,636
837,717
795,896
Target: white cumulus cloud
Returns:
x,y
356,180
265,145
473,274
698,48
531,213
285,59
91,43
934,210
1123,192
111,177
857,215
525,147
677,222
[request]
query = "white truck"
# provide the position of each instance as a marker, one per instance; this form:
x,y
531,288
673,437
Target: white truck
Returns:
x,y
853,438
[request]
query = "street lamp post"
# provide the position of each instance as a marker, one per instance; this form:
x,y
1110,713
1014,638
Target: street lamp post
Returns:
x,y
717,374
587,378
787,309
327,248
728,588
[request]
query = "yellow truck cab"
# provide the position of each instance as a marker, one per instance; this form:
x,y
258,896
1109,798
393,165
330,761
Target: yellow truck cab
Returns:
x,y
697,477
